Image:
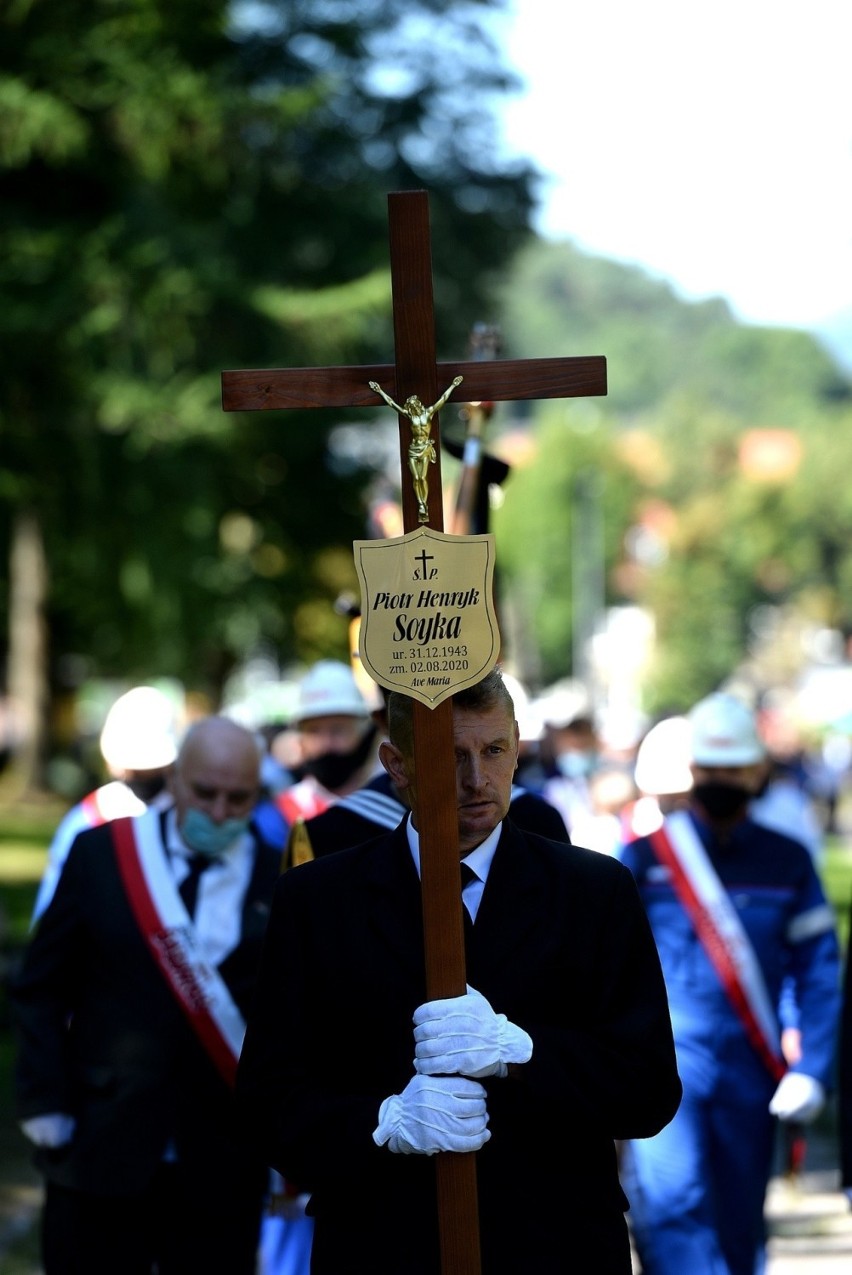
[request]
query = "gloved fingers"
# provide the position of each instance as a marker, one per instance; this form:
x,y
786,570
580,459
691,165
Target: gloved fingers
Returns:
x,y
452,1043
441,1091
434,1113
471,1003
465,1115
475,1065
453,1025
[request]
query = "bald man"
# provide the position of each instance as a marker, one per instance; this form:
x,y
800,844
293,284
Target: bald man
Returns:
x,y
129,1007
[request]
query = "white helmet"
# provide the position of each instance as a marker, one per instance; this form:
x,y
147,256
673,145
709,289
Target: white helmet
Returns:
x,y
724,732
329,689
530,724
139,731
563,703
662,759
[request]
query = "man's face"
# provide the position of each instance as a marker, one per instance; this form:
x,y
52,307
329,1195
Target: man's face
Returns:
x,y
486,753
335,733
222,783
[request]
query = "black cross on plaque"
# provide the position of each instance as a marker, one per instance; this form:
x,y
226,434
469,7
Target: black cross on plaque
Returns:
x,y
416,373
424,557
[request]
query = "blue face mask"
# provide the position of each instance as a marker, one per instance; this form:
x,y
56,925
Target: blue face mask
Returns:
x,y
206,837
575,765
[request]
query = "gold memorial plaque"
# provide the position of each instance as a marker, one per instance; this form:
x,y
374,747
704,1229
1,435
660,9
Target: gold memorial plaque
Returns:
x,y
428,625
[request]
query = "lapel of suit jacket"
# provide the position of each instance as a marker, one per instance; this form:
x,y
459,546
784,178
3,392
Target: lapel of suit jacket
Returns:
x,y
393,906
511,907
509,914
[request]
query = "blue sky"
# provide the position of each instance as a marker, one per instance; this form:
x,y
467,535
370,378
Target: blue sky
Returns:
x,y
710,144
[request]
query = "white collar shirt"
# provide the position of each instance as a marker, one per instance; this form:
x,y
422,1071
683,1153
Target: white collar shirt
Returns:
x,y
478,860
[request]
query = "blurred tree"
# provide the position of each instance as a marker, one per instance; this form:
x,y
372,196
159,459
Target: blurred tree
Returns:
x,y
186,187
706,543
559,300
535,532
747,543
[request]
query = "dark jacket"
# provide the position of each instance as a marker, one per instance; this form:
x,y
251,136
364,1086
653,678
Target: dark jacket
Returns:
x,y
102,1038
562,946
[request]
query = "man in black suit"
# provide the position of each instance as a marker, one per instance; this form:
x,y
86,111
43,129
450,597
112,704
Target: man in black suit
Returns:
x,y
129,1005
561,1047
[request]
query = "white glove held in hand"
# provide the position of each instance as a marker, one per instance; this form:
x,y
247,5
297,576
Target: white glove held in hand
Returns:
x,y
434,1113
49,1131
462,1035
798,1097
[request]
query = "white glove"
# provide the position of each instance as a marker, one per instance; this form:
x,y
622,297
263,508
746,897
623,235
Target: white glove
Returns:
x,y
798,1097
462,1035
54,1130
434,1113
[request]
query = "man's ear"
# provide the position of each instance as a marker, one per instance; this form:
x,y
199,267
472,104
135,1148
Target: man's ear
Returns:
x,y
394,763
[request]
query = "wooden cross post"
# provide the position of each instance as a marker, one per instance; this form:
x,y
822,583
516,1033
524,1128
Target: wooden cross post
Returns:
x,y
415,372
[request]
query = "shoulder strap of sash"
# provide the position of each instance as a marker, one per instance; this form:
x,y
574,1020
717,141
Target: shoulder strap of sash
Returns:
x,y
709,907
300,802
92,809
165,925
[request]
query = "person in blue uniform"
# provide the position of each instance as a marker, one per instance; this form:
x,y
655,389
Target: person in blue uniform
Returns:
x,y
734,907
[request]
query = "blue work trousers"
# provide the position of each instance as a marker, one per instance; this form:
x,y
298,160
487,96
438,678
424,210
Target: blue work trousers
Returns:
x,y
697,1189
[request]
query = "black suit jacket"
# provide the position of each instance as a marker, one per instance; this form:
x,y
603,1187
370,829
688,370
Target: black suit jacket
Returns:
x,y
563,947
101,1036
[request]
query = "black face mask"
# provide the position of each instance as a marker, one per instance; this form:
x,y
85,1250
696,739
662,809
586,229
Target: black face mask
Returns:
x,y
333,770
722,801
148,788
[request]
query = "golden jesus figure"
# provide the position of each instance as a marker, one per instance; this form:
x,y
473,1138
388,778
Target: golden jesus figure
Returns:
x,y
421,449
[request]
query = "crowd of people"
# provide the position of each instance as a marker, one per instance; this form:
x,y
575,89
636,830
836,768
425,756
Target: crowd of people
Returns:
x,y
226,1057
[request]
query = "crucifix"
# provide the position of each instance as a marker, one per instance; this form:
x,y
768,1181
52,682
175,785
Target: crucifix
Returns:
x,y
412,381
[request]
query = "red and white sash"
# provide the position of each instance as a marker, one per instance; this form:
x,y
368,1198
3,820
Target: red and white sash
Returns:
x,y
302,801
170,935
111,801
709,907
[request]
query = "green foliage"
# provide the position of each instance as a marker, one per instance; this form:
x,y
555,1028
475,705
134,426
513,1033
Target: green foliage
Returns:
x,y
187,187
539,524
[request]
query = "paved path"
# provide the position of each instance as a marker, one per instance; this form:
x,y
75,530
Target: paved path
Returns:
x,y
810,1226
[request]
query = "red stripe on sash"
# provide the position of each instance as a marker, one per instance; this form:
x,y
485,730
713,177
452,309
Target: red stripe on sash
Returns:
x,y
170,954
717,951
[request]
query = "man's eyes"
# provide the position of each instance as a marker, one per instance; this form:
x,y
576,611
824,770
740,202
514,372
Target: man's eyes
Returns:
x,y
493,750
237,798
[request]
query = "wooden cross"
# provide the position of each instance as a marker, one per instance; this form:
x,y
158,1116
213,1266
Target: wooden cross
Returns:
x,y
415,372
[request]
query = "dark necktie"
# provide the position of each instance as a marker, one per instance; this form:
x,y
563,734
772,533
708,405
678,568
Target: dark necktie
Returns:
x,y
467,875
188,888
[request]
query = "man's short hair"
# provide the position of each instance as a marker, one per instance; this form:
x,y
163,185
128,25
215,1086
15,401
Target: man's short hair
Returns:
x,y
489,692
